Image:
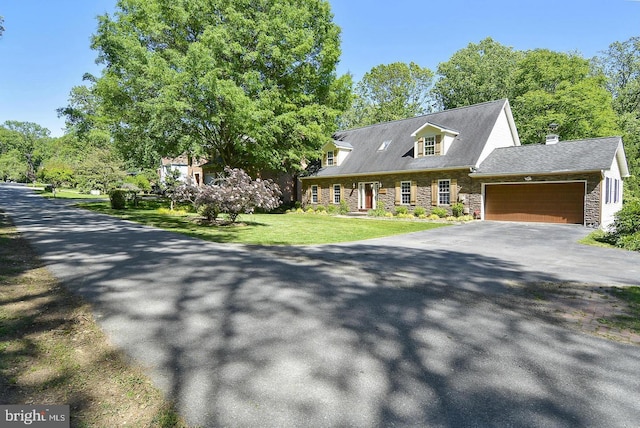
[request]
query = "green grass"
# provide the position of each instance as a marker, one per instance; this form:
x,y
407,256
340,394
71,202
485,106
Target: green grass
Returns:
x,y
70,194
631,319
270,229
596,239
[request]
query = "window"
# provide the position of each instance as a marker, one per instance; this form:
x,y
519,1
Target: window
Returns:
x,y
384,145
405,193
616,191
336,193
444,192
330,158
607,191
429,146
314,194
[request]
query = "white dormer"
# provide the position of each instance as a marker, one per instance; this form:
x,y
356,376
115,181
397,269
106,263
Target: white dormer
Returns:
x,y
432,140
335,152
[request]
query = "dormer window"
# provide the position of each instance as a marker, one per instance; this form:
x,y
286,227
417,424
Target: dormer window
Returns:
x,y
433,140
330,158
335,152
430,145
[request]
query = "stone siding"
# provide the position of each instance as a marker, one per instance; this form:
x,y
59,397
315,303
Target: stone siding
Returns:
x,y
387,192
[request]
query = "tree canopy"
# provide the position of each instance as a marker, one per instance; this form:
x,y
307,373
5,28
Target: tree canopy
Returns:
x,y
247,83
475,74
621,66
554,87
25,138
390,92
543,86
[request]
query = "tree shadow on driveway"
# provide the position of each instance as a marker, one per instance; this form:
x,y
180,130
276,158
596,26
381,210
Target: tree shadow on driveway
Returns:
x,y
358,335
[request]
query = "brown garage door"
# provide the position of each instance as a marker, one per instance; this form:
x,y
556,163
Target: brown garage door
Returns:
x,y
548,203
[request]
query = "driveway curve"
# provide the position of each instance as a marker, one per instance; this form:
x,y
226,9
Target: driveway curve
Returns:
x,y
401,331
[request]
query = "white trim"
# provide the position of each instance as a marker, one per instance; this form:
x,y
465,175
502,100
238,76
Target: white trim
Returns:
x,y
442,180
317,201
362,202
406,171
439,128
402,194
333,193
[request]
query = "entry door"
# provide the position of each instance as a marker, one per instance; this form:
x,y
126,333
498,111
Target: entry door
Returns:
x,y
368,196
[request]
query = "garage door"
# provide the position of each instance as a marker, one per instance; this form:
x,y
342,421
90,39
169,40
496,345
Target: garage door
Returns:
x,y
548,202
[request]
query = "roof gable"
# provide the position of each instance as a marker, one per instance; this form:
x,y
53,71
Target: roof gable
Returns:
x,y
471,127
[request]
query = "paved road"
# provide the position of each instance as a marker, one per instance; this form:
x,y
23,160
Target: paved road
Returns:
x,y
403,331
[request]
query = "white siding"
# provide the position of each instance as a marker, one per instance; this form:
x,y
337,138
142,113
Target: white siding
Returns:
x,y
613,206
447,140
501,136
166,170
342,154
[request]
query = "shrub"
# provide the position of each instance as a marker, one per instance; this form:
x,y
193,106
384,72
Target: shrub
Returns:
x,y
401,210
344,208
236,193
451,218
388,214
405,215
118,199
320,208
310,210
419,211
457,209
630,242
433,217
167,211
332,209
466,218
625,232
378,212
439,211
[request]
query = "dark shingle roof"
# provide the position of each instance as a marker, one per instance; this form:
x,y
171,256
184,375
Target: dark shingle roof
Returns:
x,y
474,124
577,155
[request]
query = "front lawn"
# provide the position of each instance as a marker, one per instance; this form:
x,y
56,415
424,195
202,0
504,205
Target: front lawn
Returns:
x,y
269,229
70,194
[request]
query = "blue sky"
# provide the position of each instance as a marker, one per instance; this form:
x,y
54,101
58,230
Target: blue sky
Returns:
x,y
45,48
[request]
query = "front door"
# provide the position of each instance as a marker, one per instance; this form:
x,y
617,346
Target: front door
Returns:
x,y
368,196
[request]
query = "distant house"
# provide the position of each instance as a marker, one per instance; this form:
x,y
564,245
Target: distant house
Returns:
x,y
201,172
188,167
471,155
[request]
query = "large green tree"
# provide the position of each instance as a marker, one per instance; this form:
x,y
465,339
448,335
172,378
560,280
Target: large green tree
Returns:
x,y
247,83
554,87
621,65
480,72
390,92
28,139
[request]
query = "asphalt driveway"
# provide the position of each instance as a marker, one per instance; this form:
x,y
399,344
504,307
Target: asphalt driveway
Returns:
x,y
402,331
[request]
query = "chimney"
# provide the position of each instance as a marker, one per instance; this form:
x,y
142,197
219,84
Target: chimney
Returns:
x,y
552,139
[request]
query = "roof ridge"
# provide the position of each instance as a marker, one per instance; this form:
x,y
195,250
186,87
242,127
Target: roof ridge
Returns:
x,y
424,115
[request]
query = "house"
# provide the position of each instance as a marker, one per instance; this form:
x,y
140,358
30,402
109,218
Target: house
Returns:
x,y
471,155
199,172
188,167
